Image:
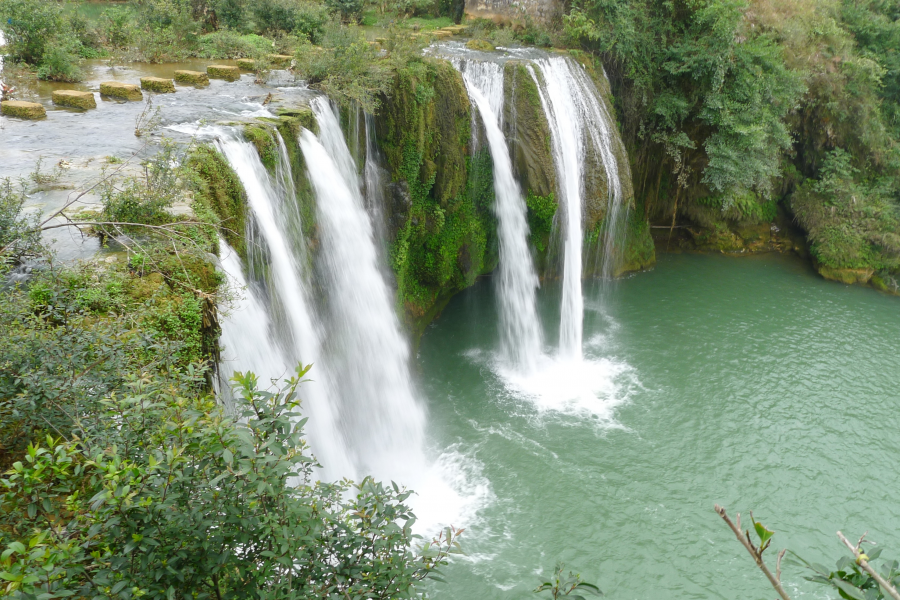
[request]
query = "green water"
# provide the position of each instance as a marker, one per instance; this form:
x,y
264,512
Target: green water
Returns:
x,y
748,382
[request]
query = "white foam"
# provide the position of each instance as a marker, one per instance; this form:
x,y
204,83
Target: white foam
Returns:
x,y
590,386
452,491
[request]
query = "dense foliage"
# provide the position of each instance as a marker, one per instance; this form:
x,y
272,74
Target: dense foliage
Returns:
x,y
161,495
730,105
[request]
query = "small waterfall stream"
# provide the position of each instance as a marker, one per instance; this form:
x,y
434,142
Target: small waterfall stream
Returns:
x,y
579,125
517,282
366,353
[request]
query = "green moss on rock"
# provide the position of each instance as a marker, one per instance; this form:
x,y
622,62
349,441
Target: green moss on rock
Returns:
x,y
226,72
218,187
289,125
261,137
160,85
22,110
847,276
195,78
640,251
480,45
123,91
74,99
441,230
528,131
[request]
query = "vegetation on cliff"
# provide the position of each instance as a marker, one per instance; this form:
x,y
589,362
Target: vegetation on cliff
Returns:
x,y
442,234
730,107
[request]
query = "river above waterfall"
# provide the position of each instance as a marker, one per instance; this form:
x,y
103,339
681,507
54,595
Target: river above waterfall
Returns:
x,y
747,382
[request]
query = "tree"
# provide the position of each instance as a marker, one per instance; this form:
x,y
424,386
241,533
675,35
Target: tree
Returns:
x,y
165,496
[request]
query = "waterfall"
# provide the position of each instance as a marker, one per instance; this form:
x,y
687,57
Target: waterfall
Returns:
x,y
270,207
578,124
517,281
375,176
366,354
247,331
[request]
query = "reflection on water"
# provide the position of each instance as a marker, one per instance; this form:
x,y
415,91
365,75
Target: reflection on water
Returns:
x,y
748,382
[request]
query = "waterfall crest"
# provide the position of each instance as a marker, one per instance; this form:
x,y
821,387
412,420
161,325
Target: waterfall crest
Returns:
x,y
519,324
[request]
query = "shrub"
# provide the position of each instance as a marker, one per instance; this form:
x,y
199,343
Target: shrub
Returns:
x,y
345,67
350,11
29,26
165,497
226,43
852,223
116,27
232,14
290,16
61,61
18,237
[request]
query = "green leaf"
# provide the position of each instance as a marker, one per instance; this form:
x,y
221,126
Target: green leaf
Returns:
x,y
763,533
851,590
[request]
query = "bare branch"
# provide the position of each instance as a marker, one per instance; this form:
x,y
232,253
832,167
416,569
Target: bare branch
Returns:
x,y
166,227
778,564
755,553
887,587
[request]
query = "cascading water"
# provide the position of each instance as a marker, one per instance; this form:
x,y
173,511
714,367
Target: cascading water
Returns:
x,y
517,282
364,418
247,331
366,354
578,123
270,209
375,176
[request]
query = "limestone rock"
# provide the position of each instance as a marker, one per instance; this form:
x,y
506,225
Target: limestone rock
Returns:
x,y
158,85
247,64
74,99
125,91
191,78
223,72
280,60
23,110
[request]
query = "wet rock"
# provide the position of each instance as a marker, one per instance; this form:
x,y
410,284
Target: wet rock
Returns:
x,y
848,276
74,99
124,91
247,64
223,72
280,61
195,78
158,85
22,110
527,129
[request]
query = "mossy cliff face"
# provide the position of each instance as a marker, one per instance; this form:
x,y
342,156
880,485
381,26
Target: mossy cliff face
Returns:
x,y
218,188
528,133
441,232
439,229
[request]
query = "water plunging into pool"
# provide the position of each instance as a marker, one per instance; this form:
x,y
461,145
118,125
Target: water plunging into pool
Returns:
x,y
520,329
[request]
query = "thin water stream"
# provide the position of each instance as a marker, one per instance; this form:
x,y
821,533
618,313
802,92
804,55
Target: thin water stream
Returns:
x,y
748,382
520,335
